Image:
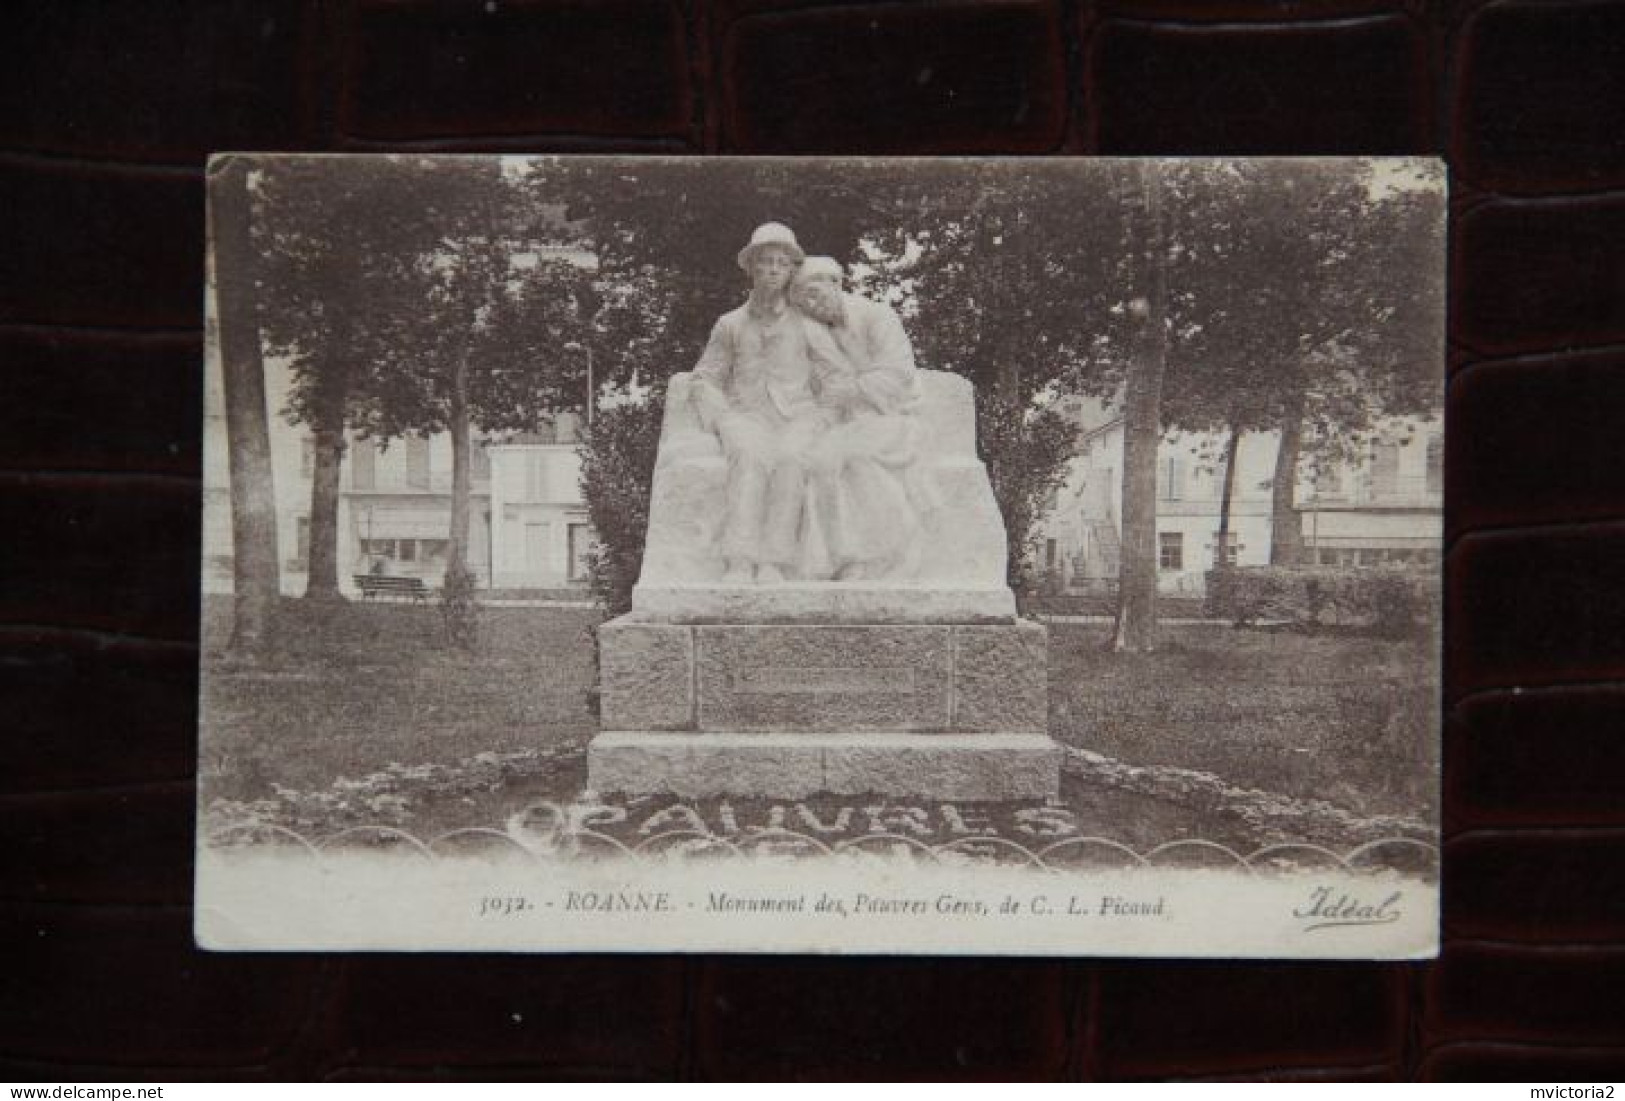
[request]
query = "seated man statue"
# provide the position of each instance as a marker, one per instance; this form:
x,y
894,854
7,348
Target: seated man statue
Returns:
x,y
754,387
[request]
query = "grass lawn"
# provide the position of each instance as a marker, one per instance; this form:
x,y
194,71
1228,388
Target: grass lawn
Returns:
x,y
1349,720
359,688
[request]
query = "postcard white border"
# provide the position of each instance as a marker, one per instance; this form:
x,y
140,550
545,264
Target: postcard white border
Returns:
x,y
348,901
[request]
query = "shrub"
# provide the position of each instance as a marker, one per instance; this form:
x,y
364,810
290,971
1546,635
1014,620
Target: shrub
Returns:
x,y
1396,603
617,478
1391,603
617,471
1027,451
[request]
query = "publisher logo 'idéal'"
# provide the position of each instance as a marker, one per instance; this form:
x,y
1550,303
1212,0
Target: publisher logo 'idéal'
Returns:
x,y
1329,908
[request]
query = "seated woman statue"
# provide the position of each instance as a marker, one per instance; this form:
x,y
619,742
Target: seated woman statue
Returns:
x,y
867,496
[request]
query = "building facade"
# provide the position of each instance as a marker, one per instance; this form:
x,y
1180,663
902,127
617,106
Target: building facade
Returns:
x,y
1385,508
528,526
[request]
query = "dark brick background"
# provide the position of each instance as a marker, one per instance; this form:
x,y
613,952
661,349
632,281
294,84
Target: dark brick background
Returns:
x,y
107,111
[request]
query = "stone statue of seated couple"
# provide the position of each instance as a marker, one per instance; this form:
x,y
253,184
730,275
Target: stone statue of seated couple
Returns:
x,y
812,392
805,448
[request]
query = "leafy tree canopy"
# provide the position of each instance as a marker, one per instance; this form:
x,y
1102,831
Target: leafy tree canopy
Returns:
x,y
1308,290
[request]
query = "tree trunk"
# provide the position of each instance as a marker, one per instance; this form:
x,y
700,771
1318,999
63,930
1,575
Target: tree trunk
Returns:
x,y
1220,558
1142,433
1018,521
323,560
256,578
458,609
1286,526
461,473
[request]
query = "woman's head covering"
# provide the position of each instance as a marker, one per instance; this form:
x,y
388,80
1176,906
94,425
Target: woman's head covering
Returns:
x,y
814,266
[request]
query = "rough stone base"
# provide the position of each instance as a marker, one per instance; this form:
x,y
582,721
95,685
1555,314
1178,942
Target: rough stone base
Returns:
x,y
846,678
793,766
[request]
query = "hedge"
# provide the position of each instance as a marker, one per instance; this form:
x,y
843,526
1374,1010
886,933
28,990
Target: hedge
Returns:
x,y
1391,603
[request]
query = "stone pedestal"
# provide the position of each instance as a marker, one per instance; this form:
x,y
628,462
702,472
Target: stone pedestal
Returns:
x,y
947,711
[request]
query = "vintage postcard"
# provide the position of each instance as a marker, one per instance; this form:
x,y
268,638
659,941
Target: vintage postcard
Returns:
x,y
839,555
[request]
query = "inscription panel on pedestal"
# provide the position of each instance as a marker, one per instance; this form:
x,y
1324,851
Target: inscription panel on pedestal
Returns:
x,y
817,678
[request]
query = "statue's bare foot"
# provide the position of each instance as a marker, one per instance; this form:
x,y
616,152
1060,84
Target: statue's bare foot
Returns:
x,y
769,574
853,571
737,573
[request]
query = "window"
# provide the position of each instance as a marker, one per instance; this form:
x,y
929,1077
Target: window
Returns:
x,y
1171,478
307,457
363,464
1384,470
1329,482
417,462
538,537
582,546
1435,465
1232,546
567,427
535,476
405,550
1171,550
302,549
1050,555
1341,557
479,466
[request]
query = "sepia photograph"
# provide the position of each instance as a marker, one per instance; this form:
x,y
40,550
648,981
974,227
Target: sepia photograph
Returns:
x,y
844,555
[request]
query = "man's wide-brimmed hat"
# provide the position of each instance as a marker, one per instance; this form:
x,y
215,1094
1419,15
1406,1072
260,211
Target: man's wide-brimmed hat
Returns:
x,y
770,233
815,266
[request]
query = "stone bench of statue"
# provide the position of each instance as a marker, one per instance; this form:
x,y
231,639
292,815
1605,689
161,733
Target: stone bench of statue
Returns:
x,y
957,577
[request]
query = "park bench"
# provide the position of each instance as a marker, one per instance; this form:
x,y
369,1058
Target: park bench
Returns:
x,y
403,588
